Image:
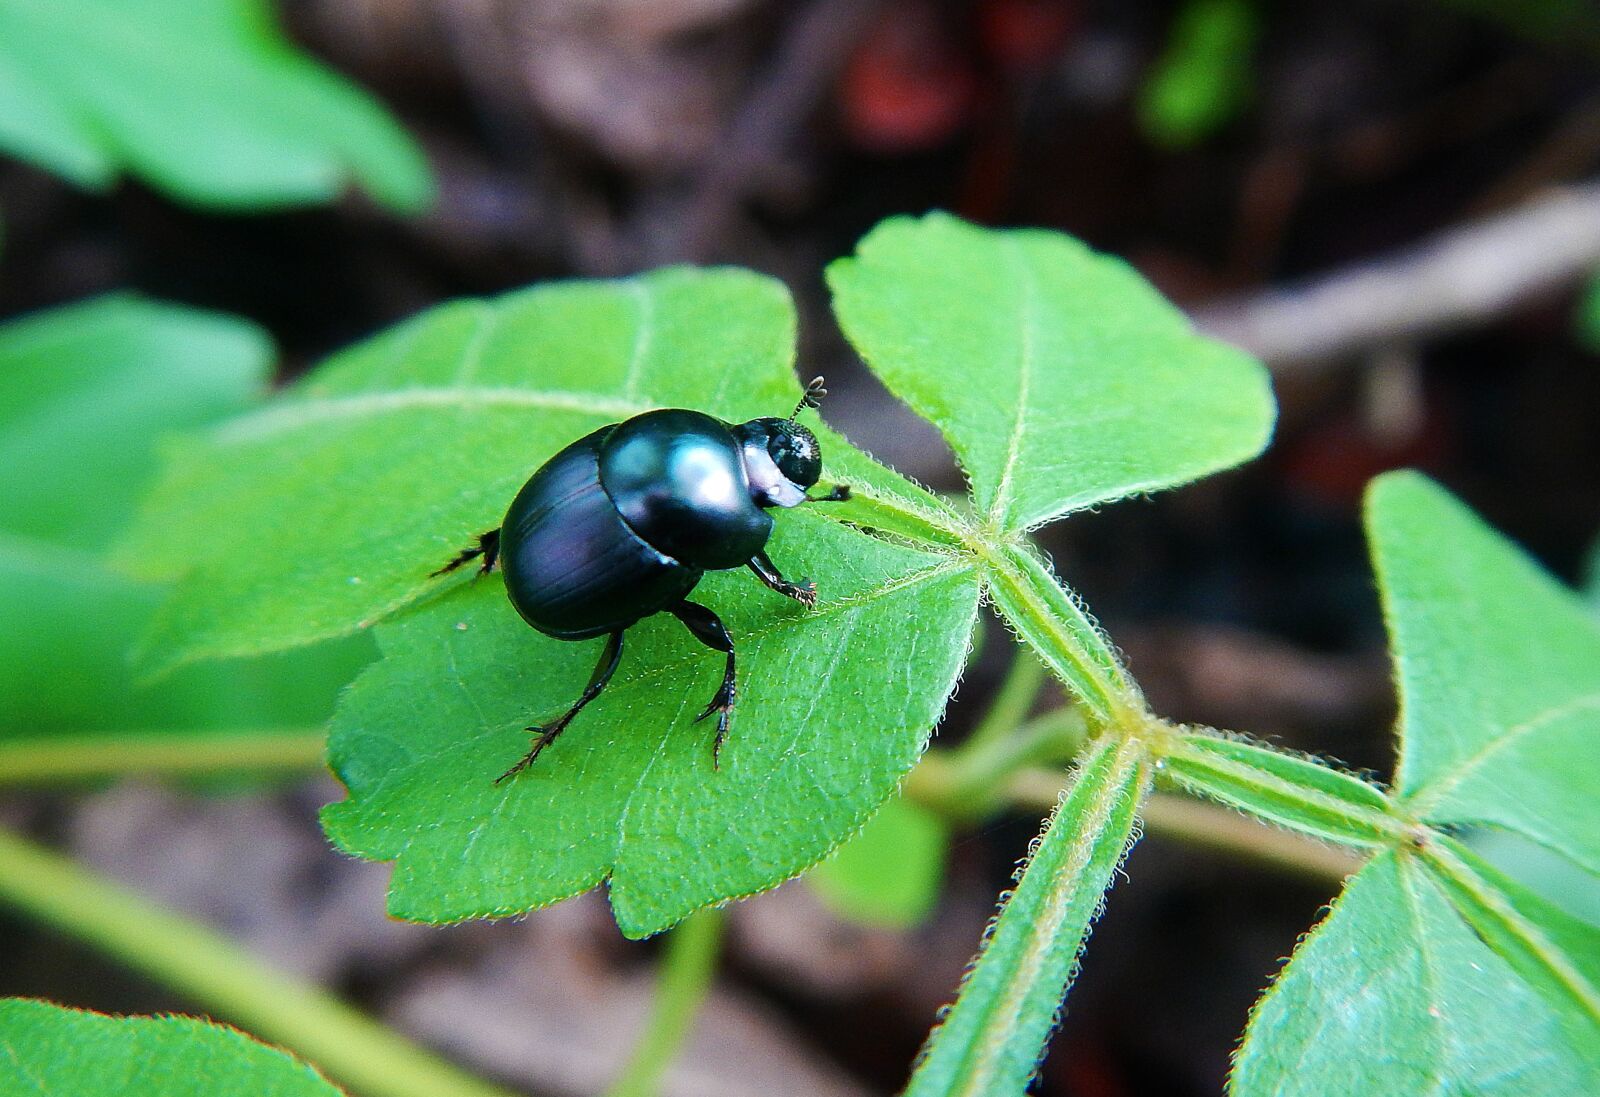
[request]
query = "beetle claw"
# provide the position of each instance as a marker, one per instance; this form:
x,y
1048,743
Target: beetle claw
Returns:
x,y
545,736
722,705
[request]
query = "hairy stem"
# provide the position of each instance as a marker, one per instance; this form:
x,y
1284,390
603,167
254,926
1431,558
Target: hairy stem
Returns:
x,y
1063,636
219,977
65,759
685,978
991,1040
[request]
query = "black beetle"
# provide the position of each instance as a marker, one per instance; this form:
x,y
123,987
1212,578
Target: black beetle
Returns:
x,y
623,523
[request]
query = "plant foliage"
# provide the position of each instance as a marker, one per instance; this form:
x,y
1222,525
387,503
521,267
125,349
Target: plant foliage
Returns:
x,y
92,89
1407,986
87,394
1061,381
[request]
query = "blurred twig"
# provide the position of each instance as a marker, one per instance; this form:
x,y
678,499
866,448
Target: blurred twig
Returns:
x,y
686,972
218,976
1463,276
71,758
813,50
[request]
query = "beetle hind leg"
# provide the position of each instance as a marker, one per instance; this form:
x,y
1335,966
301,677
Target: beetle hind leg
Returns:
x,y
708,628
545,734
488,547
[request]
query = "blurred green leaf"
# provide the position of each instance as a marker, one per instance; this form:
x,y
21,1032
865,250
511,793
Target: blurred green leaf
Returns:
x,y
87,395
1586,317
1394,995
994,1036
47,1049
889,873
65,660
87,391
204,99
1060,377
1499,674
1204,76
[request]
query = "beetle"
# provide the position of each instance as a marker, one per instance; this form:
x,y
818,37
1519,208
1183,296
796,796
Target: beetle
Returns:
x,y
623,523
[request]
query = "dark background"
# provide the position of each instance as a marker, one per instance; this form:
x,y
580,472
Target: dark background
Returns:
x,y
601,138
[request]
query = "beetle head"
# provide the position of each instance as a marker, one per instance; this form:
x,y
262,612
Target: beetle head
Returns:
x,y
781,460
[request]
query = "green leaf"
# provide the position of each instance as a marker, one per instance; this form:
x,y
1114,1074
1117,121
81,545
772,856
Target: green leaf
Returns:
x,y
87,395
1299,793
204,99
835,704
46,1049
993,1037
1059,376
889,873
1393,995
1499,674
1204,75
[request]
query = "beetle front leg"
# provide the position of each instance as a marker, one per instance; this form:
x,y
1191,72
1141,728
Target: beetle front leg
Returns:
x,y
804,592
708,628
839,494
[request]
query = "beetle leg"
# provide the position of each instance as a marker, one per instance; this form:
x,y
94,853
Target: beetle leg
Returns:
x,y
839,494
603,670
804,592
710,631
488,547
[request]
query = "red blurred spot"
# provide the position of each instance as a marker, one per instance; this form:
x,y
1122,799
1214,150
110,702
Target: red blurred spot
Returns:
x,y
1026,34
907,87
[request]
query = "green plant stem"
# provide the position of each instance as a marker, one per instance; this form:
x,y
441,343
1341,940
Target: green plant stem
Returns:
x,y
218,976
978,778
66,759
685,978
992,1039
1009,709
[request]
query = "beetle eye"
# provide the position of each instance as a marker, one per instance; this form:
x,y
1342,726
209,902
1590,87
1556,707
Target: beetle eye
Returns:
x,y
795,451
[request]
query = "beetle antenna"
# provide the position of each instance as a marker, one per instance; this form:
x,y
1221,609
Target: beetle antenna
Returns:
x,y
811,398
